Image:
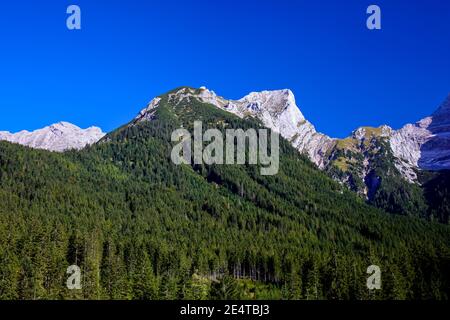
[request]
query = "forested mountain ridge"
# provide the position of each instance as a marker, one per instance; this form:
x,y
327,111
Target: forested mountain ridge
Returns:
x,y
142,228
379,164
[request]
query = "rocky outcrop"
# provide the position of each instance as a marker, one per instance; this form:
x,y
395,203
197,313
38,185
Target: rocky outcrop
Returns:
x,y
425,144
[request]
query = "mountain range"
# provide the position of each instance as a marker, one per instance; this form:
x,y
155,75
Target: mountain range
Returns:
x,y
141,227
363,161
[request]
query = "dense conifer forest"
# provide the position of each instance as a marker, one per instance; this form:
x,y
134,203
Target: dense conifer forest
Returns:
x,y
140,227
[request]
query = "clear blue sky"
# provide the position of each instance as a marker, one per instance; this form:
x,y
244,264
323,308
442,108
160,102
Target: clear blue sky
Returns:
x,y
342,74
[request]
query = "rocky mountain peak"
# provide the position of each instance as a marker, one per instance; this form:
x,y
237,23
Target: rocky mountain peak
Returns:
x,y
276,102
425,144
57,137
276,109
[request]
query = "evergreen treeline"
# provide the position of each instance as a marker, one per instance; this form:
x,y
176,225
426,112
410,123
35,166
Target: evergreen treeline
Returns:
x,y
142,228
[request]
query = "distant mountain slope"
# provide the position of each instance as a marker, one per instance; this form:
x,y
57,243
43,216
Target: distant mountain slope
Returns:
x,y
59,137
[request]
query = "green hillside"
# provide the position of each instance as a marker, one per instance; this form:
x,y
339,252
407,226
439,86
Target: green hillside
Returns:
x,y
142,228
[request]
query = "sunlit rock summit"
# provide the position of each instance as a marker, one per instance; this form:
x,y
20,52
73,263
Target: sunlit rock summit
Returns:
x,y
58,137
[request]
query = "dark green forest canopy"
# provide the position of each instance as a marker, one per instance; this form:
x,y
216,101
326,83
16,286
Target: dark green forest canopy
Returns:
x,y
142,228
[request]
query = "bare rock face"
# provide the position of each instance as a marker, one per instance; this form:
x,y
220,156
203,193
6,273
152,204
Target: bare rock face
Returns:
x,y
435,152
278,111
58,137
406,144
425,144
148,112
